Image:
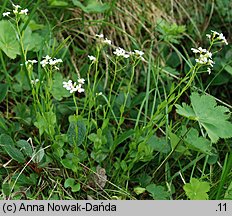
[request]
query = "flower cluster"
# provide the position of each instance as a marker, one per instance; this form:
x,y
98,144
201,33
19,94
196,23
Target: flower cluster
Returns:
x,y
16,11
73,87
49,61
215,36
101,38
121,52
205,57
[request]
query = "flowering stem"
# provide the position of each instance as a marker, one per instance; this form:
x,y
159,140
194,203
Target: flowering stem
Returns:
x,y
75,102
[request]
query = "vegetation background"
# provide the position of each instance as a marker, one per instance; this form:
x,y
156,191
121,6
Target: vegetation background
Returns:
x,y
152,123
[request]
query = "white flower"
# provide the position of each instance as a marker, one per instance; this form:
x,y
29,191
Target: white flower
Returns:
x,y
209,70
98,94
202,50
92,58
138,52
126,55
210,62
6,14
44,62
205,56
107,41
67,85
121,52
208,54
73,87
31,61
80,89
55,61
99,36
208,36
222,37
25,11
47,57
214,32
34,81
16,8
81,81
194,50
48,60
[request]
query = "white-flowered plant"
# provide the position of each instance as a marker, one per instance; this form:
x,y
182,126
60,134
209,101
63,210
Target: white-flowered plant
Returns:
x,y
107,41
92,58
73,87
81,81
47,60
99,35
24,11
205,56
16,10
103,40
33,61
217,37
6,14
34,81
139,53
120,52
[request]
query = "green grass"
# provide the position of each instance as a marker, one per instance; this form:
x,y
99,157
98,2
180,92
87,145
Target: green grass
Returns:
x,y
147,126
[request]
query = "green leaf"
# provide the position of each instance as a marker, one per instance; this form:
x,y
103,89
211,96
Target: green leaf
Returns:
x,y
159,144
197,143
227,68
58,3
77,131
123,137
9,146
99,155
170,32
3,91
178,144
197,190
228,194
76,187
210,116
8,40
24,180
157,192
6,189
46,122
139,190
69,182
67,163
58,92
39,156
92,6
186,111
25,146
32,41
